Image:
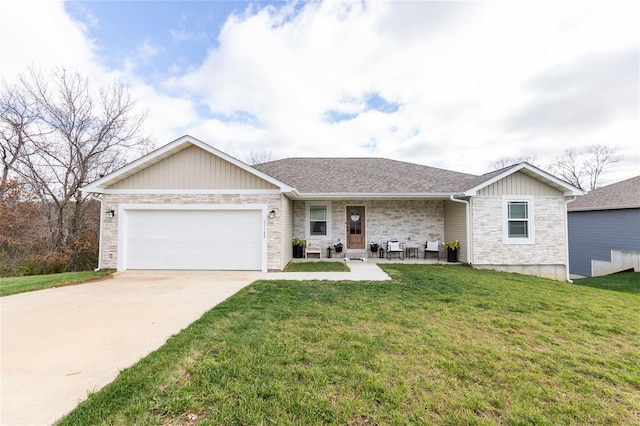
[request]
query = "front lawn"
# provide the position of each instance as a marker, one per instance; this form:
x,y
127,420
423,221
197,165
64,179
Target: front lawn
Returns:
x,y
437,345
316,267
14,285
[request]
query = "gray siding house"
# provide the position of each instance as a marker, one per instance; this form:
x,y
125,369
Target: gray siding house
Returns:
x,y
604,230
188,205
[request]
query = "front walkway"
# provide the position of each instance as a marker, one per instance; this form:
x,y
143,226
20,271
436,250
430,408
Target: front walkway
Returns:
x,y
359,271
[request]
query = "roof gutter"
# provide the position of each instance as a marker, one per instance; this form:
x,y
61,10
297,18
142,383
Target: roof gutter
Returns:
x,y
468,225
371,195
566,234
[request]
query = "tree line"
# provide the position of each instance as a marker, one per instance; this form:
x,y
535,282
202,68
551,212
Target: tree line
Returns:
x,y
57,134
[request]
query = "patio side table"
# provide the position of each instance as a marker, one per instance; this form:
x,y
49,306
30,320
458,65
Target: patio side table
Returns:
x,y
411,251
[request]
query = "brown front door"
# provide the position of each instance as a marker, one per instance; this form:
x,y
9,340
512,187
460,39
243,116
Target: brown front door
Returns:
x,y
355,227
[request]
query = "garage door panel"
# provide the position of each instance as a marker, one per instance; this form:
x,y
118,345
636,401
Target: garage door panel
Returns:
x,y
198,239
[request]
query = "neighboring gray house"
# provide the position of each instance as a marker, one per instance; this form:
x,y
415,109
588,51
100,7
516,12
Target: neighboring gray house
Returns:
x,y
188,205
604,230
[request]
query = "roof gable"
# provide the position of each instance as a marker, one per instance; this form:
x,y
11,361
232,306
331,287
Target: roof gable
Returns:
x,y
488,179
137,174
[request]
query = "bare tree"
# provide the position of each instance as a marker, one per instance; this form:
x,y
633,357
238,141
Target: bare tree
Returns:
x,y
584,167
259,157
510,161
64,135
581,167
16,115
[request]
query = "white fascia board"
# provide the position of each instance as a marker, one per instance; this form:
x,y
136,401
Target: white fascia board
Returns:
x,y
191,191
568,189
98,186
373,195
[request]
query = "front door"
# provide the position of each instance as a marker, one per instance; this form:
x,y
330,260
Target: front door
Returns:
x,y
355,227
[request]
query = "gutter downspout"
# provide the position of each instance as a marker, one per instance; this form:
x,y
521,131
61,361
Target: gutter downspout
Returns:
x,y
566,234
99,198
468,225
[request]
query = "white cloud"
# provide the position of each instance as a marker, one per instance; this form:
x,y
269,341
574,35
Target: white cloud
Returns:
x,y
470,79
41,34
460,73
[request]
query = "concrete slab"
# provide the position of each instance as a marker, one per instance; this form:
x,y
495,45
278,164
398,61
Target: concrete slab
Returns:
x,y
59,344
359,271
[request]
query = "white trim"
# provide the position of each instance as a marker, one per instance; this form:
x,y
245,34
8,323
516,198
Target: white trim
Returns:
x,y
531,239
467,210
124,208
371,195
568,189
98,186
307,219
193,191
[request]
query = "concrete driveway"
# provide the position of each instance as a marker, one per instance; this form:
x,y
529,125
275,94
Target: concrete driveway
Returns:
x,y
59,344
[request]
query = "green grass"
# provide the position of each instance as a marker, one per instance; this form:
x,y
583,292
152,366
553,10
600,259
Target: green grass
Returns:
x,y
437,345
627,282
15,285
316,267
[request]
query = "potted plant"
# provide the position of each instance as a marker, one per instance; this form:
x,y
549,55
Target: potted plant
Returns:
x,y
452,250
338,246
374,247
298,248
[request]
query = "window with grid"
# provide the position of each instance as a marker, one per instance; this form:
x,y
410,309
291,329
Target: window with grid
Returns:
x,y
518,226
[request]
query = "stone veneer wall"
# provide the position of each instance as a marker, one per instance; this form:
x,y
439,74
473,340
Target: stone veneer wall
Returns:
x,y
112,201
409,221
546,258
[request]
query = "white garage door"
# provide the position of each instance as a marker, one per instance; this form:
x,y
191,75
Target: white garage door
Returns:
x,y
194,239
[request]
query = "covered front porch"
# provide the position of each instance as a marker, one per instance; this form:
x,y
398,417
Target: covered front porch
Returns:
x,y
349,228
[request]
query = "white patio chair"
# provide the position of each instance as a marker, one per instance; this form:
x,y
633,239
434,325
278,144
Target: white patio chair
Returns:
x,y
394,246
432,247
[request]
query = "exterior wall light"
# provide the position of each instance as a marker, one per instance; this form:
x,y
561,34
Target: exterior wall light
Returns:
x,y
272,214
109,213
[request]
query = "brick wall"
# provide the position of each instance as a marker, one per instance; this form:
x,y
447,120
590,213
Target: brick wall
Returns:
x,y
410,221
549,222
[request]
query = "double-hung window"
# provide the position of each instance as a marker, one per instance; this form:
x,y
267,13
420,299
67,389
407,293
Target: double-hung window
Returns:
x,y
518,226
317,220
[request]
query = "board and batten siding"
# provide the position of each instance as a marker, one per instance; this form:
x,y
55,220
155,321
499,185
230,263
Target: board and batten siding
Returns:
x,y
518,184
455,227
193,168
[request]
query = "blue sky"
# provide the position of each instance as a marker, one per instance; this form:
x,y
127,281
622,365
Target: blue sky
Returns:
x,y
167,37
447,84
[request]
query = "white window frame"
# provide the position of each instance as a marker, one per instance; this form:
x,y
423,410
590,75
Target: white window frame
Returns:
x,y
307,220
506,239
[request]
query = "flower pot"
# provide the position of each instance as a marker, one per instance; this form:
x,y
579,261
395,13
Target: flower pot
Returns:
x,y
298,252
452,255
338,249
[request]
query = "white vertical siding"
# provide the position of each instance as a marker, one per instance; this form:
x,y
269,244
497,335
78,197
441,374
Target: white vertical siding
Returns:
x,y
193,168
518,184
455,226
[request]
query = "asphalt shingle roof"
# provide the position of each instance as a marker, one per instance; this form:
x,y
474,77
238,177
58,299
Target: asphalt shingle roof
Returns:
x,y
366,175
625,194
